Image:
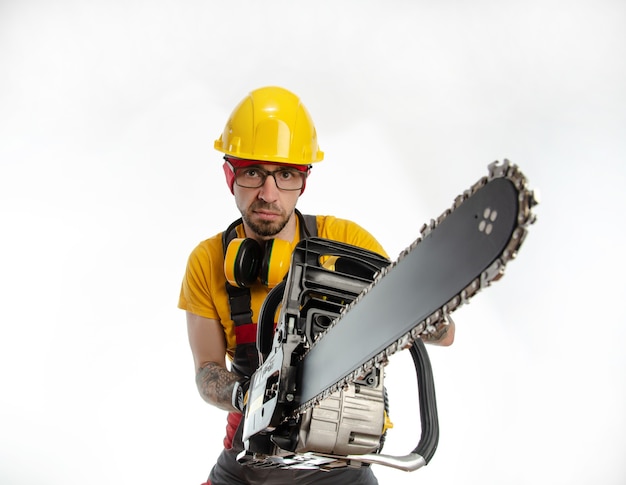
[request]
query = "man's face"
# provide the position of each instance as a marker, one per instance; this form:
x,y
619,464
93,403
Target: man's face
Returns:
x,y
266,209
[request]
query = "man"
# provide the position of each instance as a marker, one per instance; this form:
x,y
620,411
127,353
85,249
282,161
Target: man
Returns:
x,y
269,144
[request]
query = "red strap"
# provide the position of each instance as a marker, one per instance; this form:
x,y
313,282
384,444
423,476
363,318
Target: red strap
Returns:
x,y
232,423
245,334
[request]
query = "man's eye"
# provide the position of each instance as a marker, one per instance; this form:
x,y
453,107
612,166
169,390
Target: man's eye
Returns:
x,y
286,174
251,172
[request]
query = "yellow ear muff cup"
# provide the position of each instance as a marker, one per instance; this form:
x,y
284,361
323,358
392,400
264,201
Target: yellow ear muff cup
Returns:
x,y
242,262
275,262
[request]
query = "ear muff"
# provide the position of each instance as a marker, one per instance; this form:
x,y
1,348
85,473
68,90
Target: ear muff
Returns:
x,y
242,262
245,261
275,263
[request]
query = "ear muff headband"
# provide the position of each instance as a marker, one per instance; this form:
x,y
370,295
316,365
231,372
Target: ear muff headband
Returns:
x,y
244,263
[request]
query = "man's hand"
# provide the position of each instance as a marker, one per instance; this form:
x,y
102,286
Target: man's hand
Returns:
x,y
240,394
443,337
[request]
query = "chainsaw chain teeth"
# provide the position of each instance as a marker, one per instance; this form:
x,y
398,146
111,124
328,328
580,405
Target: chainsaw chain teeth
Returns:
x,y
440,318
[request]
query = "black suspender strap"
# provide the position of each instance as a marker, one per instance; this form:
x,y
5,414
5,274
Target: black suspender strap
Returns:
x,y
240,304
238,298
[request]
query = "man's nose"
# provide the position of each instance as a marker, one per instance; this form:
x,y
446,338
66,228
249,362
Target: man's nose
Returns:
x,y
269,190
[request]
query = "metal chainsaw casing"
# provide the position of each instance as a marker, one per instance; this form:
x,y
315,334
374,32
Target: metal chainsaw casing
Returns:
x,y
348,422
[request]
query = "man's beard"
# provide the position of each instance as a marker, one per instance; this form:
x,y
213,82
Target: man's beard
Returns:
x,y
264,228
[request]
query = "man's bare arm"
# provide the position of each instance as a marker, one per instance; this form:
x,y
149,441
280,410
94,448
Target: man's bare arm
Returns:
x,y
215,384
208,346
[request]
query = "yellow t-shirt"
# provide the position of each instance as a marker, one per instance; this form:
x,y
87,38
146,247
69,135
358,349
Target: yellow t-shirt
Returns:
x,y
203,289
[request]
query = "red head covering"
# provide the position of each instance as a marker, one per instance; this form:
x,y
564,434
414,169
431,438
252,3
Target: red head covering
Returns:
x,y
232,163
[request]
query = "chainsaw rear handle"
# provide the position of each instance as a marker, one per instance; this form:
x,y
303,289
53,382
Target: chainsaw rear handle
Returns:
x,y
265,325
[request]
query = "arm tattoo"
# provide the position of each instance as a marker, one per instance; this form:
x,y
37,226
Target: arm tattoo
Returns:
x,y
215,384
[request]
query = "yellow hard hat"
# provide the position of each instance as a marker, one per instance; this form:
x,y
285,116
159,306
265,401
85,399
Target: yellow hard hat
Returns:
x,y
271,125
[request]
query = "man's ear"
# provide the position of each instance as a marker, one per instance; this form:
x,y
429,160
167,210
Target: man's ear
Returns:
x,y
229,172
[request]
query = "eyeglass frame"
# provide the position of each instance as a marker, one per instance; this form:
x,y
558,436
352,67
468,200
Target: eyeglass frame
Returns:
x,y
266,173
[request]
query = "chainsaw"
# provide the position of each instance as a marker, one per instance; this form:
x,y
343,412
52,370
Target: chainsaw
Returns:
x,y
318,399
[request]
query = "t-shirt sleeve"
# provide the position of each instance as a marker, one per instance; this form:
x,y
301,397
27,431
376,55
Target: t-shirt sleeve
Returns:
x,y
195,292
349,232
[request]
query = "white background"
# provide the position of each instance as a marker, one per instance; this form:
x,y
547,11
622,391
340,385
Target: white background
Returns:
x,y
108,179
